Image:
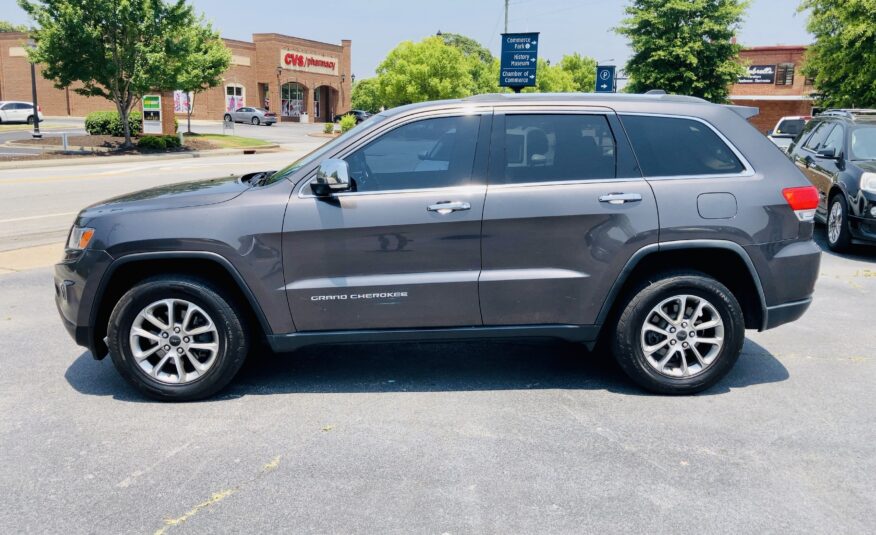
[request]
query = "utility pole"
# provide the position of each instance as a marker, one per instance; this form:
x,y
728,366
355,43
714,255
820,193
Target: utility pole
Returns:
x,y
36,107
506,16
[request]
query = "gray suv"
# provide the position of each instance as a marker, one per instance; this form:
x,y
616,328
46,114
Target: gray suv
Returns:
x,y
663,226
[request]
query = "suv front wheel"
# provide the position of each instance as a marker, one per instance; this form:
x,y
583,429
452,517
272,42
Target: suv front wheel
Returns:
x,y
679,334
177,338
838,235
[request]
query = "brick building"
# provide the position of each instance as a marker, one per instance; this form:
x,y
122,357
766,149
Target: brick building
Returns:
x,y
775,84
293,76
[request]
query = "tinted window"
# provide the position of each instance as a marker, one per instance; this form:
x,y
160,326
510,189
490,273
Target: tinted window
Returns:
x,y
790,127
431,153
543,148
863,143
668,146
834,140
9,106
818,136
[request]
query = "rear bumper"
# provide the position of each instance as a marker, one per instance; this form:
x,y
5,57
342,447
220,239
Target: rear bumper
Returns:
x,y
782,314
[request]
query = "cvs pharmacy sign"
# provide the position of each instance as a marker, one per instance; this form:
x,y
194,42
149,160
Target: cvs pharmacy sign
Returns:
x,y
301,61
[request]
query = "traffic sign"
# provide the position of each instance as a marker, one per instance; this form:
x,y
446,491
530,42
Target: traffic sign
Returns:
x,y
605,80
519,60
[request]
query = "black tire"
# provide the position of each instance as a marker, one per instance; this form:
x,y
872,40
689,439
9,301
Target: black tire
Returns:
x,y
227,118
844,240
30,120
255,121
627,340
233,341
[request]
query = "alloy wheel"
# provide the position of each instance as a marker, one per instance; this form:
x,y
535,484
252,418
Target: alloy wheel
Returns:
x,y
682,336
174,341
835,222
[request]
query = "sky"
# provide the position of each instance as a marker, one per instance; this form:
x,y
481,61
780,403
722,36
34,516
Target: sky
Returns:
x,y
376,26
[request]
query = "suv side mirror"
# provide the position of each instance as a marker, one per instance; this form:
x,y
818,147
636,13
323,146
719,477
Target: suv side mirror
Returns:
x,y
829,153
333,176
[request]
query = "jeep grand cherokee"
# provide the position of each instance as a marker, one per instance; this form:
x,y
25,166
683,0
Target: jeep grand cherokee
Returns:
x,y
663,225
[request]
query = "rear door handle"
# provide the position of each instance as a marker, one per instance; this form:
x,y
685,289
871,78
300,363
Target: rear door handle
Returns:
x,y
620,198
446,207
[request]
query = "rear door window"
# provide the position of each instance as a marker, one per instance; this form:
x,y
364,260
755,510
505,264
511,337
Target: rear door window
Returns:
x,y
557,147
790,127
671,146
818,136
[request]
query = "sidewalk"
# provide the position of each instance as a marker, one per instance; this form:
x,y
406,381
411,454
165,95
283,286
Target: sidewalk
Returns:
x,y
127,158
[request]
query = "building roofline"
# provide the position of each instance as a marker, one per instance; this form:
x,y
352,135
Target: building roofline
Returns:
x,y
238,42
284,37
773,48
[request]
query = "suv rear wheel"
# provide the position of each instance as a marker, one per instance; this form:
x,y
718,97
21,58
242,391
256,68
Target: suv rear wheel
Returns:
x,y
679,334
838,235
177,338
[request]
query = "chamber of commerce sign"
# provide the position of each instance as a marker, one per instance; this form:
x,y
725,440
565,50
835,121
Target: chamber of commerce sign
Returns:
x,y
759,74
302,61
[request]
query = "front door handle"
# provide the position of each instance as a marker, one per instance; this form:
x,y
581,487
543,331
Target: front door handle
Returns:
x,y
620,198
446,207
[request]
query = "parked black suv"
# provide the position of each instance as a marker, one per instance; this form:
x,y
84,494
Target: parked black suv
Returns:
x,y
665,225
837,152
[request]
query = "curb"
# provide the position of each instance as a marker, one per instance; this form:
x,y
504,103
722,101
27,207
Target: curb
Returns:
x,y
61,162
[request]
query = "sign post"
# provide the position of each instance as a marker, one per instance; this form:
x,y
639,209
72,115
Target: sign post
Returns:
x,y
519,60
605,79
152,114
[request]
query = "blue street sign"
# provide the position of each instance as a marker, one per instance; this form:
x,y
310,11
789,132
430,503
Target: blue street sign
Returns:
x,y
605,79
519,59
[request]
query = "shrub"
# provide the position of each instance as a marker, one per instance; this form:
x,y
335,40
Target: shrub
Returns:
x,y
328,128
107,123
347,122
155,142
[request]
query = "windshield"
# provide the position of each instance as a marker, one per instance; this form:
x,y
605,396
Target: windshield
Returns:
x,y
863,143
320,152
790,127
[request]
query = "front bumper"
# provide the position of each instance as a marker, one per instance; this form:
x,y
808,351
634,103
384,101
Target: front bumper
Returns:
x,y
76,285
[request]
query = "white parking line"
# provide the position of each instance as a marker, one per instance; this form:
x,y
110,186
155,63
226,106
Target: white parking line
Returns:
x,y
44,216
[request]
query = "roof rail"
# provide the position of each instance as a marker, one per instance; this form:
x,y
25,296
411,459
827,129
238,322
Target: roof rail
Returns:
x,y
849,113
655,92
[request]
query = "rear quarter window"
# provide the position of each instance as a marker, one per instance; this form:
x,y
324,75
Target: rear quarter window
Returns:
x,y
671,146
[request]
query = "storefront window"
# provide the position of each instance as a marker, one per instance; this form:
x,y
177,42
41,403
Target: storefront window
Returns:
x,y
292,99
316,102
234,97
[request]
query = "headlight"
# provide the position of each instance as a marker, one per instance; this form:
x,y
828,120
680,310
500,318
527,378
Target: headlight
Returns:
x,y
868,182
79,237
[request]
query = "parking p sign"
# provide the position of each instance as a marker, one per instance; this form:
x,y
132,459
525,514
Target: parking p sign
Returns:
x,y
605,79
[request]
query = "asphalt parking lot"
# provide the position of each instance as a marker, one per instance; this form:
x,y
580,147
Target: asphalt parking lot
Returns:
x,y
447,438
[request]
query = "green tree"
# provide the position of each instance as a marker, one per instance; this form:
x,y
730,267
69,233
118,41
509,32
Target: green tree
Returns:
x,y
478,59
843,58
582,69
366,95
6,26
684,46
209,58
552,79
428,70
116,49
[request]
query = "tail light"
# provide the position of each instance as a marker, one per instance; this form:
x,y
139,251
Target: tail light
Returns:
x,y
39,109
803,201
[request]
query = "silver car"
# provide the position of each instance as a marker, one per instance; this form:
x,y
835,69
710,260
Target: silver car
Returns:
x,y
250,115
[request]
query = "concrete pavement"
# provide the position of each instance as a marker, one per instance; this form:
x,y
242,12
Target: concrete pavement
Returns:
x,y
38,205
446,438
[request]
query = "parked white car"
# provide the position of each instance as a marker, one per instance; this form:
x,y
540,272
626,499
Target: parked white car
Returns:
x,y
12,111
787,129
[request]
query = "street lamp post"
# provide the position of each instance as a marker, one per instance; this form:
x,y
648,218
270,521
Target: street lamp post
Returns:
x,y
36,108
